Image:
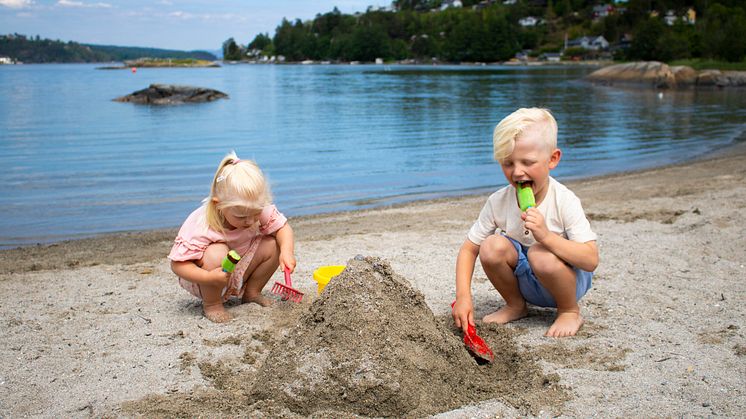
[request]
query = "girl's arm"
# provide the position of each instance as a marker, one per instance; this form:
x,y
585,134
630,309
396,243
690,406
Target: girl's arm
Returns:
x,y
191,272
286,243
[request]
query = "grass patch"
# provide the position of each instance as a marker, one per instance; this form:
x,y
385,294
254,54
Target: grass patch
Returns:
x,y
700,64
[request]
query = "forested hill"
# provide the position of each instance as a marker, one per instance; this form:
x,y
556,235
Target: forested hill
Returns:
x,y
37,50
495,30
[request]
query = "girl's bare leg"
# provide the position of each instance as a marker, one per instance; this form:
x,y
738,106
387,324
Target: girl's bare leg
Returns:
x,y
260,270
559,279
499,258
212,298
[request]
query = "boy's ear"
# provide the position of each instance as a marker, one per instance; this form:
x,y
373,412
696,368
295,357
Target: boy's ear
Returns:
x,y
554,158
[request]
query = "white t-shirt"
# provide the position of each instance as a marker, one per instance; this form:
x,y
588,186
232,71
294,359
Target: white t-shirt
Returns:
x,y
561,210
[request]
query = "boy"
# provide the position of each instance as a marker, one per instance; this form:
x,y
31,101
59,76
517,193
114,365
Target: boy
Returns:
x,y
544,256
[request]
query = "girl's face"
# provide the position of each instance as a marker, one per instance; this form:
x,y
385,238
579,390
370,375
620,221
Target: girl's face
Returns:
x,y
240,217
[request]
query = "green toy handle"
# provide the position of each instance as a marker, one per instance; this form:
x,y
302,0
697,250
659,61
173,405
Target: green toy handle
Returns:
x,y
230,261
526,198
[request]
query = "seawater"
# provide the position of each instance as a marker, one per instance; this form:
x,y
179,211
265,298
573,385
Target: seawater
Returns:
x,y
330,137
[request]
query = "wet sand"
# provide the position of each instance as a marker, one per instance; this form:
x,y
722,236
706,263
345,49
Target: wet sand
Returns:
x,y
99,326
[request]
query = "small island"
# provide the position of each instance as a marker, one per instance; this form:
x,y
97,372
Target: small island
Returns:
x,y
170,94
163,63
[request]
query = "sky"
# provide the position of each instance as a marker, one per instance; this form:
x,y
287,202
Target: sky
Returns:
x,y
169,24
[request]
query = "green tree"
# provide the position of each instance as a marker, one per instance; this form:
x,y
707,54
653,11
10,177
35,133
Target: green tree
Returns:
x,y
260,42
723,30
231,50
645,39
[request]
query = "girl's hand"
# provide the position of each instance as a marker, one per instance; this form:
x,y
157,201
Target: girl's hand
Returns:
x,y
463,313
218,277
535,223
287,261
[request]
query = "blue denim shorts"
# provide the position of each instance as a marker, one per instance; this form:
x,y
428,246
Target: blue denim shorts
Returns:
x,y
531,288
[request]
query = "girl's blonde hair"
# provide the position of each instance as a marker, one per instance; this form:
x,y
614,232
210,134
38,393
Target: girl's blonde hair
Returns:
x,y
237,183
513,125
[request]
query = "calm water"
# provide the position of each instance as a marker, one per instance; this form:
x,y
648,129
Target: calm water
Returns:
x,y
330,138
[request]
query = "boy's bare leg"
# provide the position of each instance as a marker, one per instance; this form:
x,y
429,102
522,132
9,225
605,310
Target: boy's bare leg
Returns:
x,y
559,279
499,258
260,270
212,297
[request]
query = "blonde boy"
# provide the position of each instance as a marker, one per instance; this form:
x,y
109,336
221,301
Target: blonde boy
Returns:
x,y
544,256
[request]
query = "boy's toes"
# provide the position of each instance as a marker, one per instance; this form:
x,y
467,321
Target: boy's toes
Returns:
x,y
566,324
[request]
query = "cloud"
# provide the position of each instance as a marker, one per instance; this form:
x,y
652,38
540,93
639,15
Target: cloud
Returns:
x,y
16,4
207,16
75,3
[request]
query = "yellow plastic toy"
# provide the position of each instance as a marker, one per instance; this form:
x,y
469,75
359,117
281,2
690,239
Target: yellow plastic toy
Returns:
x,y
324,274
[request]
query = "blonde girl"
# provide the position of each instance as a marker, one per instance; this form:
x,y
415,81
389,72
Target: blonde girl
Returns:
x,y
237,215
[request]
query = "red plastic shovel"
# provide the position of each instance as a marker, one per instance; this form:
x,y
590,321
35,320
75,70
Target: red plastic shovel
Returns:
x,y
476,345
286,291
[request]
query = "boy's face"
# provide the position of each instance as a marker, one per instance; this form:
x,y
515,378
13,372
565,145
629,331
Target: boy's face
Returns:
x,y
530,162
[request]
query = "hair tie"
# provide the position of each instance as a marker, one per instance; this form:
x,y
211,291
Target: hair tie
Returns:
x,y
236,161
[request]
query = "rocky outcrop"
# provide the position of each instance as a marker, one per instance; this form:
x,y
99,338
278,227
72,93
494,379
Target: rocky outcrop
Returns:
x,y
169,94
721,78
660,75
651,73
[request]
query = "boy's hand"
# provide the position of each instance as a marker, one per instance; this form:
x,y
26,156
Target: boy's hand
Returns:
x,y
463,313
536,224
218,277
287,261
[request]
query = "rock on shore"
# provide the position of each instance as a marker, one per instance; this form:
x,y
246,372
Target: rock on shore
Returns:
x,y
661,75
169,94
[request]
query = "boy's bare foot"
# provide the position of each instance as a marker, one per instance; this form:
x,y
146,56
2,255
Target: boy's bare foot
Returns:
x,y
216,313
566,324
258,299
506,314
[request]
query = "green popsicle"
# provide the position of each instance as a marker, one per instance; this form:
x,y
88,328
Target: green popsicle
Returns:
x,y
526,198
230,261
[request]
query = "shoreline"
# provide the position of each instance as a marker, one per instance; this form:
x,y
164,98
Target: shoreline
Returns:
x,y
76,252
98,327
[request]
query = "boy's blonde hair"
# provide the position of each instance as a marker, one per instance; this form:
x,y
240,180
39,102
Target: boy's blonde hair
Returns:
x,y
513,125
237,183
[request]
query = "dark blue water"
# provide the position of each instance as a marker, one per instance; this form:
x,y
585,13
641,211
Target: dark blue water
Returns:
x,y
74,163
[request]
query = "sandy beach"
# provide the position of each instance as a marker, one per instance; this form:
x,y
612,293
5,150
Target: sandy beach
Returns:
x,y
99,327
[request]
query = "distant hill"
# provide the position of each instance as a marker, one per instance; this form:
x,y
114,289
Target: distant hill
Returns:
x,y
38,50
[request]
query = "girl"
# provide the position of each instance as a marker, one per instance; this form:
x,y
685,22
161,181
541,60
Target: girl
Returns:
x,y
237,215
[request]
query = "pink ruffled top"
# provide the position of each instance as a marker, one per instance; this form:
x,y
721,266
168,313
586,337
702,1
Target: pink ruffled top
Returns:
x,y
195,235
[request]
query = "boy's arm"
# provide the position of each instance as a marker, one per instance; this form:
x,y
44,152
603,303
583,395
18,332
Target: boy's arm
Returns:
x,y
285,240
579,255
463,309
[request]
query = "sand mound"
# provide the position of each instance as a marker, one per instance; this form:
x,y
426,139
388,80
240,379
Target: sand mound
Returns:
x,y
368,346
371,346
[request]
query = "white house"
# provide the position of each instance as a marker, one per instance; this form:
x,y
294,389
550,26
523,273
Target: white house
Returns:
x,y
528,21
6,60
451,3
588,42
552,57
602,10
